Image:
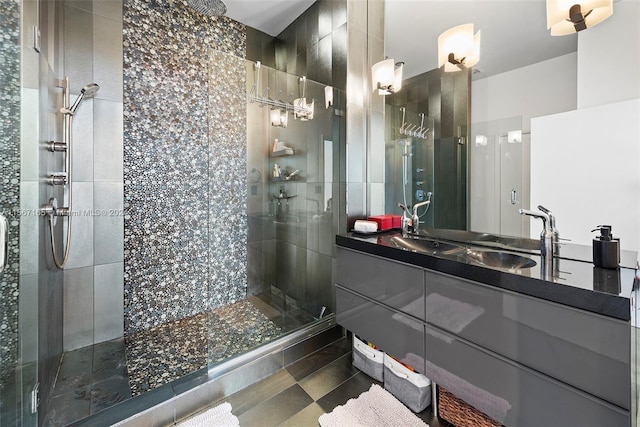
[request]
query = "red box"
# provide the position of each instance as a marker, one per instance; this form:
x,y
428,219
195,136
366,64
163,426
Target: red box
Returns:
x,y
396,221
386,222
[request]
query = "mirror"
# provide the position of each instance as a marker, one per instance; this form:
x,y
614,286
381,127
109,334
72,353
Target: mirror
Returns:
x,y
547,124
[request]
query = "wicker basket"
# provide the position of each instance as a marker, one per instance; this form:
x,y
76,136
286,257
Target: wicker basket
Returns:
x,y
461,414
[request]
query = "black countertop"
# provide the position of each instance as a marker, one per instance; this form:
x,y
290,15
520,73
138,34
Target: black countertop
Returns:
x,y
576,283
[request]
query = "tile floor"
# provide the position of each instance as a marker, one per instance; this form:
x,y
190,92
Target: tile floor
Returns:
x,y
298,394
97,377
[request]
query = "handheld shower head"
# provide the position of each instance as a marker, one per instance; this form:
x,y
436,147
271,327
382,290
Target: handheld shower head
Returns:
x,y
86,92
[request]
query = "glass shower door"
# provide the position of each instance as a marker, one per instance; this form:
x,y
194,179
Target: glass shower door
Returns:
x,y
14,408
497,173
288,147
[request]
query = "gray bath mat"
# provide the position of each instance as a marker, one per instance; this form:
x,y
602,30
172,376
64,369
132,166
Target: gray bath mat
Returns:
x,y
375,407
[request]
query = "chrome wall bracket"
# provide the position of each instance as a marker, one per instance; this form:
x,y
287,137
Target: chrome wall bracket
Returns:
x,y
54,146
50,210
57,179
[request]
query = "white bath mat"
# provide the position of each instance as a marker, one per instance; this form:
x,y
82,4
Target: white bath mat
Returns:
x,y
375,407
220,416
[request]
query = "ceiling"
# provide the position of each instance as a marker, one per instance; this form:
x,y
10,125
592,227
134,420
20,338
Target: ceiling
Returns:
x,y
269,16
514,32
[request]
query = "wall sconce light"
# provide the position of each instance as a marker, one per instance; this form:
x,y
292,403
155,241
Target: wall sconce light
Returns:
x,y
303,111
570,16
458,48
514,136
279,118
481,140
328,96
386,76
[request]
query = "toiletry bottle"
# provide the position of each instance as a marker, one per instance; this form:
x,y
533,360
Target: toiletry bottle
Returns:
x,y
606,248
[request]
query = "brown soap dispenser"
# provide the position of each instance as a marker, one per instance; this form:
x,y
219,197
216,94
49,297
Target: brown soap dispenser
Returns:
x,y
606,248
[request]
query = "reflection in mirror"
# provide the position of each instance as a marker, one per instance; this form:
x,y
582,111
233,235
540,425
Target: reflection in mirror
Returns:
x,y
425,134
557,92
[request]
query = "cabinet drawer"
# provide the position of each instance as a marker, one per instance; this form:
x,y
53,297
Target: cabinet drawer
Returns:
x,y
395,333
511,394
587,351
397,285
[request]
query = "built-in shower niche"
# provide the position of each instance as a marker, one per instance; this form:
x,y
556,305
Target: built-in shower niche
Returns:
x,y
292,177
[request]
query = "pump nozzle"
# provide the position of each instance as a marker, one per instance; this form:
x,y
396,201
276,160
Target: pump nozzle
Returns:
x,y
605,232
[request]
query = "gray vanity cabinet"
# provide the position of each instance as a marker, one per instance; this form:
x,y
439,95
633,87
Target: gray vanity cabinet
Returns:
x,y
559,341
511,393
522,360
395,284
398,334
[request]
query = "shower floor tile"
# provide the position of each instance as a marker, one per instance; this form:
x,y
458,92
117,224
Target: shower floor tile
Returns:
x,y
96,377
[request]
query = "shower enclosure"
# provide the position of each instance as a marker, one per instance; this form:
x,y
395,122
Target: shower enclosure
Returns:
x,y
186,251
499,171
293,216
426,136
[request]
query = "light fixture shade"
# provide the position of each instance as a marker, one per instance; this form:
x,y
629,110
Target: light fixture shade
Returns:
x,y
382,76
279,118
593,12
481,140
458,48
514,136
397,76
328,96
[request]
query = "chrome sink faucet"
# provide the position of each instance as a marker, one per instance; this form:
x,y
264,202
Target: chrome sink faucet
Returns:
x,y
548,239
415,218
552,223
411,224
406,221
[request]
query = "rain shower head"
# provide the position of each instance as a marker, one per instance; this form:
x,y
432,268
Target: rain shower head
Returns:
x,y
86,92
208,7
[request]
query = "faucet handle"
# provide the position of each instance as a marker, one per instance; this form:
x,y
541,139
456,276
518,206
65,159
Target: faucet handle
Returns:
x,y
545,210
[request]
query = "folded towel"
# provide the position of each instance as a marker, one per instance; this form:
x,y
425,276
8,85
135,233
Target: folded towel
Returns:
x,y
365,226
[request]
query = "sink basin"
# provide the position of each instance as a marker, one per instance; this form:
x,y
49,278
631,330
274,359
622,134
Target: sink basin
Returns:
x,y
426,245
484,239
499,259
479,256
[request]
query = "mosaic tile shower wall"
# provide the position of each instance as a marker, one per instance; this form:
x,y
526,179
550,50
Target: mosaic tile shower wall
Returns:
x,y
10,186
228,174
167,162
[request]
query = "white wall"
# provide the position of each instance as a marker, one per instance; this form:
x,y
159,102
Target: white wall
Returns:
x,y
608,73
608,59
543,88
585,168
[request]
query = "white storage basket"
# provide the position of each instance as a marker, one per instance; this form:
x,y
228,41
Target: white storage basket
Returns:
x,y
368,359
411,388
